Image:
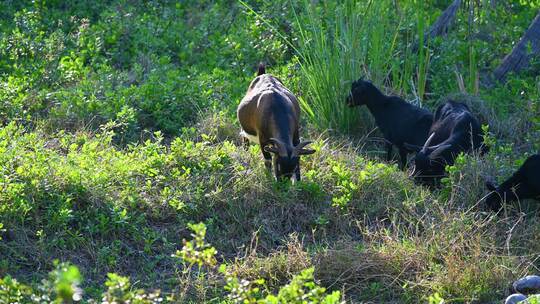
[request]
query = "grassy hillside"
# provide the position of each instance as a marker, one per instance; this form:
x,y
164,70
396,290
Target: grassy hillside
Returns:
x,y
118,136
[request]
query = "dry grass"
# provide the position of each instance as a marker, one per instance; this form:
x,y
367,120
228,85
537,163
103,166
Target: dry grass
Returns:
x,y
276,268
356,270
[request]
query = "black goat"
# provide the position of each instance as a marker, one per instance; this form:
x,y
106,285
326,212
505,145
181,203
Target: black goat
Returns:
x,y
454,130
523,184
269,115
399,121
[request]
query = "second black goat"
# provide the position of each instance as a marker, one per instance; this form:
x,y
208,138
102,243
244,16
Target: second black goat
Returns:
x,y
454,130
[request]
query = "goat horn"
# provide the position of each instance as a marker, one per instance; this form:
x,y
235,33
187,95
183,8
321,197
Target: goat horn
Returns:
x,y
300,146
428,141
411,172
279,145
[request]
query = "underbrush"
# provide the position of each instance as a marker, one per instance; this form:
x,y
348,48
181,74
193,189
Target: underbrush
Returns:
x,y
364,226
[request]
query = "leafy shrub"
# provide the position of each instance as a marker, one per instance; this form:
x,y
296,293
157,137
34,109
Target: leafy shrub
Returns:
x,y
62,286
119,290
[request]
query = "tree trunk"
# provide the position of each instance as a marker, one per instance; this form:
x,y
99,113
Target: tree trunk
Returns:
x,y
445,20
527,48
442,24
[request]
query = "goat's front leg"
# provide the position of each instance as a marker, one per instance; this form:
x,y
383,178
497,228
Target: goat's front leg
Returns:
x,y
267,159
388,151
276,169
402,158
296,141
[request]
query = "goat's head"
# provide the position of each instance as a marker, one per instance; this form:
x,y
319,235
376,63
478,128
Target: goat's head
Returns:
x,y
286,161
361,92
494,199
427,163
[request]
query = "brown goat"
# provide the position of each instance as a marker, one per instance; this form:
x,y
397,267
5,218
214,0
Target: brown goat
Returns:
x,y
269,115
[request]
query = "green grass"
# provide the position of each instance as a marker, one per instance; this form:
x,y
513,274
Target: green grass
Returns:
x,y
118,137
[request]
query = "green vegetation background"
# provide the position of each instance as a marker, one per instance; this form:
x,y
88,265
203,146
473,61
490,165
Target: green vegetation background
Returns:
x,y
118,130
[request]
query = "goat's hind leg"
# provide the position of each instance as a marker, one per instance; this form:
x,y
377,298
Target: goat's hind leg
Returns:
x,y
402,158
267,159
245,143
296,141
388,146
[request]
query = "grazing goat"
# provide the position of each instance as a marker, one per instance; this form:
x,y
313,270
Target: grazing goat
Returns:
x,y
269,115
523,184
454,130
399,121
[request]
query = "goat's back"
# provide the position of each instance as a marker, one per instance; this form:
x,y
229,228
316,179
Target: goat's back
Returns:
x,y
265,82
450,107
409,123
454,120
267,102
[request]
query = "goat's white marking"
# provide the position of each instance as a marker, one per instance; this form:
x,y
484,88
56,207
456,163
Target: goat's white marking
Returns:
x,y
251,138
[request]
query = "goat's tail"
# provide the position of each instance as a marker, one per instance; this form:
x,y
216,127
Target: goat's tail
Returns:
x,y
262,69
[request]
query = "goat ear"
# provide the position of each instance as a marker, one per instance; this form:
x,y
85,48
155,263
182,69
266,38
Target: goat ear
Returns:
x,y
277,147
440,149
299,149
261,70
490,186
414,148
270,149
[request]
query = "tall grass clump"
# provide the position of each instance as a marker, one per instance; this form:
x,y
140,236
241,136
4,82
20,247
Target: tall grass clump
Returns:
x,y
331,53
423,53
341,42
